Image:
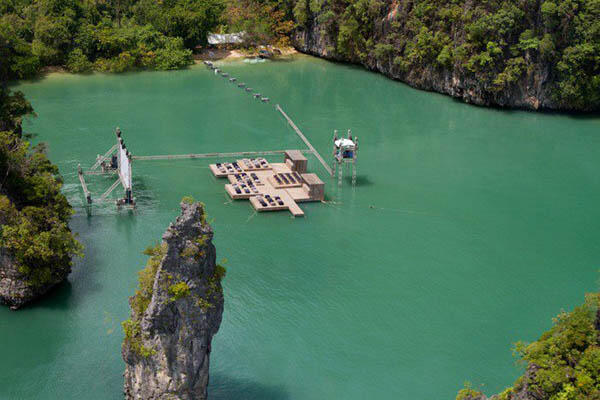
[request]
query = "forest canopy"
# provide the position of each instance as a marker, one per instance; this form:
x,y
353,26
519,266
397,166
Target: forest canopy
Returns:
x,y
34,214
112,35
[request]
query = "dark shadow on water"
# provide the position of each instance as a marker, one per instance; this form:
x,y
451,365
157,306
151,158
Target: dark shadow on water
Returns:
x,y
228,388
63,296
57,298
361,180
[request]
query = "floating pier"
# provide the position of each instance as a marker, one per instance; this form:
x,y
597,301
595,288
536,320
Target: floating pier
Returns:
x,y
271,186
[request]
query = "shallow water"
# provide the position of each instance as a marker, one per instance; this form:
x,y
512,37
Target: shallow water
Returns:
x,y
468,230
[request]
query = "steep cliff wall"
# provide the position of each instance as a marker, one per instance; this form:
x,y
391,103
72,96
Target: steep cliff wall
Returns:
x,y
510,53
174,314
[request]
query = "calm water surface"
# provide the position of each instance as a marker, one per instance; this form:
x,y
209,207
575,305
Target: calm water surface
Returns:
x,y
468,230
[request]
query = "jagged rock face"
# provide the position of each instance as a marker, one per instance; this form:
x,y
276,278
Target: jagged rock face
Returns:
x,y
168,356
16,290
532,91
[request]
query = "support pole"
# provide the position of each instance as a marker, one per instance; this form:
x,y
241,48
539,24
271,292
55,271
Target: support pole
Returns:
x,y
110,189
103,158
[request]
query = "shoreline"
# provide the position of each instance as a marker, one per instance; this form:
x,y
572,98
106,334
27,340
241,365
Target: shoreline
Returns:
x,y
206,54
237,54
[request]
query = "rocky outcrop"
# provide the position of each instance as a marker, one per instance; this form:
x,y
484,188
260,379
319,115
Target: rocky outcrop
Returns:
x,y
16,290
520,392
175,313
528,81
530,92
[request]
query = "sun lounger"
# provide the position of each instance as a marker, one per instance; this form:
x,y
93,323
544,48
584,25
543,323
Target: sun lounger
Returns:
x,y
277,179
284,179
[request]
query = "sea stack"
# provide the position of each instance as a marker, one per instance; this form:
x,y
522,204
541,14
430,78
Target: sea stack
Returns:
x,y
174,313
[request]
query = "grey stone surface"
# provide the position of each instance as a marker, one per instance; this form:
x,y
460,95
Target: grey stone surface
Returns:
x,y
178,332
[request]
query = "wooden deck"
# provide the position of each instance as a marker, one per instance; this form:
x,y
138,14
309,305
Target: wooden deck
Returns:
x,y
260,187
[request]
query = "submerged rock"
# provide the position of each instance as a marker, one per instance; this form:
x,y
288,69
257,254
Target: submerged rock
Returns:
x,y
175,313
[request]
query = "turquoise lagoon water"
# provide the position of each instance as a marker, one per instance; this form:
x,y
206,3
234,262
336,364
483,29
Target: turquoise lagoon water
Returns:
x,y
469,229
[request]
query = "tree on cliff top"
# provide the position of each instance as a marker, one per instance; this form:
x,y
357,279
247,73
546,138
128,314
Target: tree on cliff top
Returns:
x,y
563,364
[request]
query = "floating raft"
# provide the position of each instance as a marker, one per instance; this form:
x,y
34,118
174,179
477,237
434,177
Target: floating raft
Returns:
x,y
271,186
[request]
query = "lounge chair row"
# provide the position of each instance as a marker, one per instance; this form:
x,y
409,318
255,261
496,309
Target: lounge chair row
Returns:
x,y
288,178
247,188
255,163
228,168
269,201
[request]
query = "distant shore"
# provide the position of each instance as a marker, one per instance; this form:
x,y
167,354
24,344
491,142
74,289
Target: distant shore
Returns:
x,y
235,54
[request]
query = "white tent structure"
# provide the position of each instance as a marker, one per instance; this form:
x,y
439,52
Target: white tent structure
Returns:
x,y
226,38
117,160
345,151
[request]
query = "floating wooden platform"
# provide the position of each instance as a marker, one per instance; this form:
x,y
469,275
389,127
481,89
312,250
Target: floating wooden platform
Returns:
x,y
269,186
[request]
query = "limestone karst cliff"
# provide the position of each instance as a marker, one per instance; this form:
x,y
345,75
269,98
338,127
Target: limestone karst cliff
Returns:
x,y
36,243
520,54
175,313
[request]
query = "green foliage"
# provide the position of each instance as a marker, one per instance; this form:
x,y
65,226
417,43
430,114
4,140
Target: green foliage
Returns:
x,y
513,71
34,214
133,337
566,358
188,200
112,36
467,392
78,62
190,20
265,21
143,294
495,42
568,355
220,272
204,304
179,290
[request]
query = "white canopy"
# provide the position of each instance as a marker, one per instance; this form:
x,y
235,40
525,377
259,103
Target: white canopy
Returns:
x,y
345,143
124,167
226,38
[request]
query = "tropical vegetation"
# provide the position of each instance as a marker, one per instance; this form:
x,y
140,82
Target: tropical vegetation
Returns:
x,y
563,364
34,214
493,42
